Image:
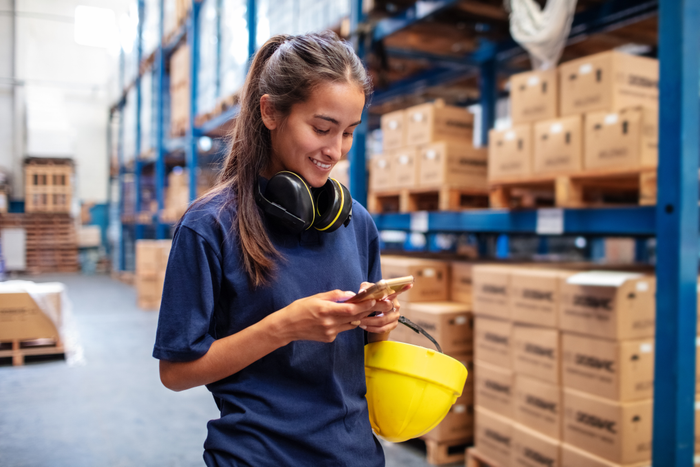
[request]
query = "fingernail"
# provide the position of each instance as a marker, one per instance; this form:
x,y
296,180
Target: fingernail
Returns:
x,y
363,327
349,294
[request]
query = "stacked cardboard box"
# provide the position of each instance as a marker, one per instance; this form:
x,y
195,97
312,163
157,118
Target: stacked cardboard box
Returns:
x,y
597,112
428,304
428,146
563,364
151,260
608,322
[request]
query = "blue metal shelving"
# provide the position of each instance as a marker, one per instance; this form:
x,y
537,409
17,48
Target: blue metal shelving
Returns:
x,y
674,221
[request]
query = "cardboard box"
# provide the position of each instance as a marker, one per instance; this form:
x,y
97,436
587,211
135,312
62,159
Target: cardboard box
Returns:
x,y
451,324
510,153
533,449
393,126
381,173
558,146
608,81
491,288
537,352
466,359
150,287
574,457
453,164
534,297
534,96
431,277
458,424
608,304
403,333
617,431
493,436
461,282
22,319
435,121
406,165
618,370
494,388
89,236
493,341
628,138
152,256
538,405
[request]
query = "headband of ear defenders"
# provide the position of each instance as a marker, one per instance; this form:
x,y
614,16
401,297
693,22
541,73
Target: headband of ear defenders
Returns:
x,y
290,201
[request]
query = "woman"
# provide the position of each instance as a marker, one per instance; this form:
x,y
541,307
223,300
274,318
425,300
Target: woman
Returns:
x,y
254,311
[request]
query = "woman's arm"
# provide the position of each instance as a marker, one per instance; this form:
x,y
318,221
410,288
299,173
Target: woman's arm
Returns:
x,y
319,318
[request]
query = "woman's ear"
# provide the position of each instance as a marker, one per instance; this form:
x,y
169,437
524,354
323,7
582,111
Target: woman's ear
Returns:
x,y
267,110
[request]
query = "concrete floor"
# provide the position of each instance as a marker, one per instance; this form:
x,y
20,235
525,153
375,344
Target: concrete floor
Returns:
x,y
105,406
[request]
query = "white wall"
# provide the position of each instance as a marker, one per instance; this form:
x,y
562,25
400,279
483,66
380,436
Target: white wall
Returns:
x,y
63,100
7,126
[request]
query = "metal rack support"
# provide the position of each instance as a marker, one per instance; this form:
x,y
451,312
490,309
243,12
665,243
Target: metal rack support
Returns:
x,y
159,67
357,155
192,134
677,234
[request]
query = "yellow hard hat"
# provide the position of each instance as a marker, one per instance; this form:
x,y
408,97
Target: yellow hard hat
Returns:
x,y
410,388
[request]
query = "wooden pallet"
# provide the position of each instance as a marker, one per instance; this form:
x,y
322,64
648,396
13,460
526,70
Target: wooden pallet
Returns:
x,y
427,199
476,459
586,189
446,452
18,350
51,241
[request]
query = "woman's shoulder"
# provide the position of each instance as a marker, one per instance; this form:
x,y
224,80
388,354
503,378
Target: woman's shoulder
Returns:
x,y
361,216
209,214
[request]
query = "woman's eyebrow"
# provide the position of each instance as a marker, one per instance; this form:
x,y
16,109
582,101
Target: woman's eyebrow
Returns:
x,y
333,120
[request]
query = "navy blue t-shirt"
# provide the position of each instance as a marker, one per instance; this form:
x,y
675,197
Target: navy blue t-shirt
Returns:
x,y
303,404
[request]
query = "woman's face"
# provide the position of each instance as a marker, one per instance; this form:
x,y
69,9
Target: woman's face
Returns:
x,y
316,134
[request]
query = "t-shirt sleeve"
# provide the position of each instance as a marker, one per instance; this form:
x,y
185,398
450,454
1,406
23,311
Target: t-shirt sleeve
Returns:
x,y
192,283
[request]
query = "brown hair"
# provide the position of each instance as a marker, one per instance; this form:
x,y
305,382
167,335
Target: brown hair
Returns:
x,y
287,68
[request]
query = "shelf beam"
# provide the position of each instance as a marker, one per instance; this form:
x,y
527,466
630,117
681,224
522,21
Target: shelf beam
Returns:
x,y
416,13
677,237
627,221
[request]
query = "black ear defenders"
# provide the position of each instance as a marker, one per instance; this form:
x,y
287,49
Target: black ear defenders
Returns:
x,y
296,206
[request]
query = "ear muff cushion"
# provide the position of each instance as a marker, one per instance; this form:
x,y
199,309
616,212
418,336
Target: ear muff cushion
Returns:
x,y
333,204
291,192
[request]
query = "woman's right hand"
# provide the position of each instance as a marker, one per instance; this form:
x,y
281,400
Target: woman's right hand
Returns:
x,y
321,317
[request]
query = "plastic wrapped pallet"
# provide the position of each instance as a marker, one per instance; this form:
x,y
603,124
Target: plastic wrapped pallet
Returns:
x,y
40,313
129,148
148,113
206,74
234,46
151,26
169,17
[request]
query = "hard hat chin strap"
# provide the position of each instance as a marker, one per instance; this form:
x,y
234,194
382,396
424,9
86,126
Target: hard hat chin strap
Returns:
x,y
417,329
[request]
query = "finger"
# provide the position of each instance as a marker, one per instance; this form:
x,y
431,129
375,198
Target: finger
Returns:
x,y
356,323
402,290
336,295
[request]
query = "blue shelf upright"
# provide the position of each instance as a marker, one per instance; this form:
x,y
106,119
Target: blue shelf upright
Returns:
x,y
192,132
159,67
138,163
677,234
357,155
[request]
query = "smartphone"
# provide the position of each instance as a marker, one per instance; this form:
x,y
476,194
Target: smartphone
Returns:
x,y
382,289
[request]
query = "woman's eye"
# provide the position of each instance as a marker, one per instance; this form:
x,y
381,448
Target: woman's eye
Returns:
x,y
347,135
321,132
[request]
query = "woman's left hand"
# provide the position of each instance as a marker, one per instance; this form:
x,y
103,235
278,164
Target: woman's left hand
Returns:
x,y
386,315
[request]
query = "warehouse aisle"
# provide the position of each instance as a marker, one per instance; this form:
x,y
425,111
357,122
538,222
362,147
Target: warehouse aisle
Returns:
x,y
109,409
